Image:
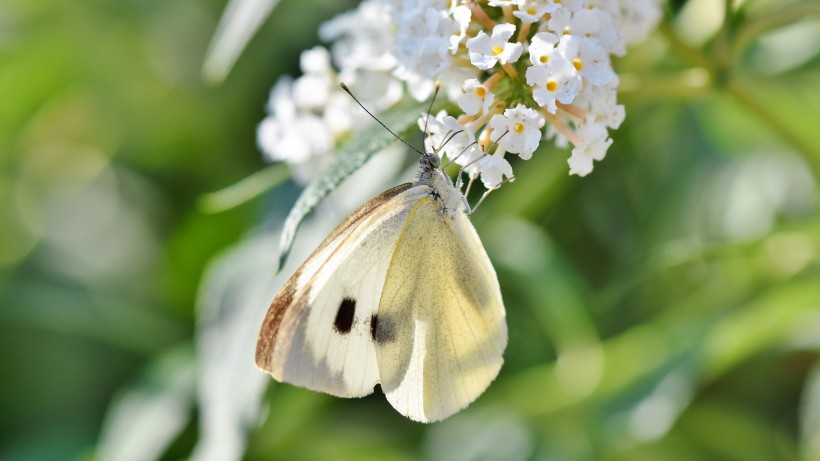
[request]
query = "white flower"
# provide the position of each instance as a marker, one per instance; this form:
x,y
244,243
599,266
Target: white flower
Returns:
x,y
494,168
556,81
280,102
288,134
423,39
602,101
505,2
378,90
461,15
588,57
637,18
362,38
390,50
475,99
341,115
313,88
559,22
589,21
595,142
518,130
315,61
541,48
426,36
486,51
586,22
294,141
311,91
534,10
448,137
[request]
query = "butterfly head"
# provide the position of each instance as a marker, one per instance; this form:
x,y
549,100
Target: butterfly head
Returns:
x,y
430,162
441,185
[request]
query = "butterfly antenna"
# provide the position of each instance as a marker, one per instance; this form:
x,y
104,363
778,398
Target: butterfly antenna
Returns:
x,y
347,90
460,154
472,178
450,136
430,108
484,153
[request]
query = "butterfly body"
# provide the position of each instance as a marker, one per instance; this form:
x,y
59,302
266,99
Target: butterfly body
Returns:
x,y
401,294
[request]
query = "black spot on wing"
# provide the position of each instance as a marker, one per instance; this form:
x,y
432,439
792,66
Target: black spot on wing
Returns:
x,y
382,329
344,316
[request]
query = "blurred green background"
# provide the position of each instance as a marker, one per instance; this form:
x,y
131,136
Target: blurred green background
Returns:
x,y
665,307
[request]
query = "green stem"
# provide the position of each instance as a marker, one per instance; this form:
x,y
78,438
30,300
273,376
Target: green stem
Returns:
x,y
693,56
762,112
783,16
722,77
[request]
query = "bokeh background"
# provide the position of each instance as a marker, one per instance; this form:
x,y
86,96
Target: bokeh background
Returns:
x,y
665,307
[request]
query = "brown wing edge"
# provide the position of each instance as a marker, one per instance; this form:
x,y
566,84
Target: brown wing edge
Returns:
x,y
284,299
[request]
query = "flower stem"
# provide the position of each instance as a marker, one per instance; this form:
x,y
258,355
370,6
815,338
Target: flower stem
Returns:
x,y
562,127
490,82
479,122
572,110
524,32
510,70
508,16
481,16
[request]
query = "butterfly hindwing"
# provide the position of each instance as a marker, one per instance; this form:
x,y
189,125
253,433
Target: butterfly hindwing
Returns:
x,y
316,333
441,328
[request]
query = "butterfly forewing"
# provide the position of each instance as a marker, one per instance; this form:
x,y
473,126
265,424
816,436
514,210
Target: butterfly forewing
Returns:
x,y
316,333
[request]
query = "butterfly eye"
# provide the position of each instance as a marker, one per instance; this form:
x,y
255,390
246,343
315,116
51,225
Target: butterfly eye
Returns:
x,y
432,160
343,322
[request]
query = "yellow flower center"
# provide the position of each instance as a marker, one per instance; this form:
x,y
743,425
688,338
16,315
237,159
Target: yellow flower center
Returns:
x,y
531,11
551,86
544,59
497,50
481,92
577,64
518,127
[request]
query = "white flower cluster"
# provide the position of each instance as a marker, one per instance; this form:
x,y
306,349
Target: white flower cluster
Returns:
x,y
518,70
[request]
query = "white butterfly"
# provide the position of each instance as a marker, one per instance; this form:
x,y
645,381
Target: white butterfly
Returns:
x,y
402,294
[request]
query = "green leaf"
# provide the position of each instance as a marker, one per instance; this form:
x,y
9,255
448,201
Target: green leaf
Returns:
x,y
350,158
244,190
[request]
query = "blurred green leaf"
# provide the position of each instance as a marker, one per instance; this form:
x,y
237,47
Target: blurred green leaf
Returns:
x,y
245,190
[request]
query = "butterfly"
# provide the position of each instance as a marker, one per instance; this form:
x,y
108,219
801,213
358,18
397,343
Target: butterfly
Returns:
x,y
400,294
